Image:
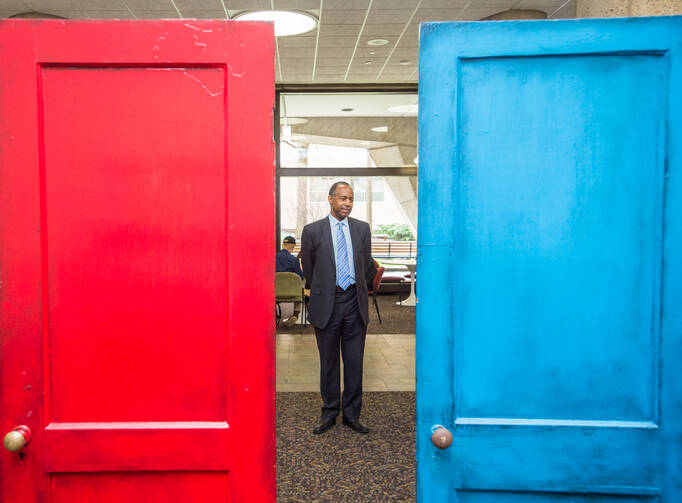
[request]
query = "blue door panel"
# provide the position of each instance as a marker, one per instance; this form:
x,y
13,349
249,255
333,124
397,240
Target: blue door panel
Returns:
x,y
529,497
549,320
559,239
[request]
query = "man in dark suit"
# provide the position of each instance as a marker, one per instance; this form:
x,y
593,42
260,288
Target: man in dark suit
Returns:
x,y
286,262
336,254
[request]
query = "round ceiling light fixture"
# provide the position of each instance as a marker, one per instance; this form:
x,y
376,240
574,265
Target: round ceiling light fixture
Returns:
x,y
287,22
377,42
404,62
380,129
404,109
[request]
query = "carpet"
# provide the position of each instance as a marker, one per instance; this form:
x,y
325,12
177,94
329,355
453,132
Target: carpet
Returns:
x,y
395,319
341,465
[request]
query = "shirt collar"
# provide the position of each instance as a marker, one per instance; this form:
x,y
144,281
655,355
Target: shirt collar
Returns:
x,y
334,221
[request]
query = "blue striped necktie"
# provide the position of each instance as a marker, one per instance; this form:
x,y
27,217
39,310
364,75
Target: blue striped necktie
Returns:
x,y
342,268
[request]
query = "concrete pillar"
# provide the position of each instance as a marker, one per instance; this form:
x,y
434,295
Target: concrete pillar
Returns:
x,y
627,8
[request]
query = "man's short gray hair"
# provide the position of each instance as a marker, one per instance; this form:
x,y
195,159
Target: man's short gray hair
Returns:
x,y
332,189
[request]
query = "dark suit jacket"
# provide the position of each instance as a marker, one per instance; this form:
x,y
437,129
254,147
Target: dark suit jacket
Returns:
x,y
319,267
286,262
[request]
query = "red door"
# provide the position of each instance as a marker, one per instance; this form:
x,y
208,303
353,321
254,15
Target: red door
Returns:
x,y
136,261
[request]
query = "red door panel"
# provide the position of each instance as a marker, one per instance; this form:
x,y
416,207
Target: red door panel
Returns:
x,y
176,487
136,222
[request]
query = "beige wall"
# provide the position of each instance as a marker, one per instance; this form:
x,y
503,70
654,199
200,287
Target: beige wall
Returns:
x,y
627,8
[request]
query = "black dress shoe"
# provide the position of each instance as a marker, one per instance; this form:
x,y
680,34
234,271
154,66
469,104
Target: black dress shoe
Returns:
x,y
324,426
355,425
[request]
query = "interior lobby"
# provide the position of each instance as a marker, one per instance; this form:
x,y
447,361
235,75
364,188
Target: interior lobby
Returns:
x,y
346,108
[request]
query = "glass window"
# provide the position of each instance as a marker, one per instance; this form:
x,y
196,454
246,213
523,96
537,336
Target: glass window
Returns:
x,y
387,203
348,130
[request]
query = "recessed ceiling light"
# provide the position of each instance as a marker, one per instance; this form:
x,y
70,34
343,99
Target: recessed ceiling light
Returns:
x,y
372,53
404,109
368,62
286,22
416,160
292,121
346,109
404,61
380,129
377,42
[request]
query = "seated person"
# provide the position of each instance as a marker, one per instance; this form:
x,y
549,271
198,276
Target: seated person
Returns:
x,y
285,261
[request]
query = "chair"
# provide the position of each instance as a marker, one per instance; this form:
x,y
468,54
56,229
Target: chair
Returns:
x,y
375,289
288,288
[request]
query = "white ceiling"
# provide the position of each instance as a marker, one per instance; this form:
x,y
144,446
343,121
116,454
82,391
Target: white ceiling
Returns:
x,y
336,52
332,105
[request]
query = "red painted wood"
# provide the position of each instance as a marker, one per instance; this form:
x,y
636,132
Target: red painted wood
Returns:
x,y
136,222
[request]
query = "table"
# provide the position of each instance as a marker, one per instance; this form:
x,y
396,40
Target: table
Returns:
x,y
411,265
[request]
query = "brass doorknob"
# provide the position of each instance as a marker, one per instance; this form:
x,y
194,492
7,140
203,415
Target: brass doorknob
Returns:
x,y
441,437
17,439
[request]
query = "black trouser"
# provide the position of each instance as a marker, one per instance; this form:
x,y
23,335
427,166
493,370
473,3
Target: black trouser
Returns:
x,y
345,329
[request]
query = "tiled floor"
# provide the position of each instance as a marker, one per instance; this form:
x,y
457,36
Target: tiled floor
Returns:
x,y
389,363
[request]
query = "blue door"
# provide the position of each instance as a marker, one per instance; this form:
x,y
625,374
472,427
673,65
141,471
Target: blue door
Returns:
x,y
549,337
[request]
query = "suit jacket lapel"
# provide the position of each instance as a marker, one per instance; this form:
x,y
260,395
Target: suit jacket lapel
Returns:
x,y
327,238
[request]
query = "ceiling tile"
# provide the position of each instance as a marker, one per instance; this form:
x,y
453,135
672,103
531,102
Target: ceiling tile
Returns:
x,y
365,50
338,29
330,70
405,53
392,39
365,70
426,15
327,78
334,52
389,16
150,5
394,4
501,4
346,4
326,61
69,14
51,6
110,14
303,78
296,42
13,5
297,52
363,61
336,42
296,4
72,5
203,14
167,14
479,13
379,30
355,16
445,4
297,62
199,5
241,5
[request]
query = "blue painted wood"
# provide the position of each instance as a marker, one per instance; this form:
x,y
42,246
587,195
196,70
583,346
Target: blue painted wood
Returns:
x,y
549,320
